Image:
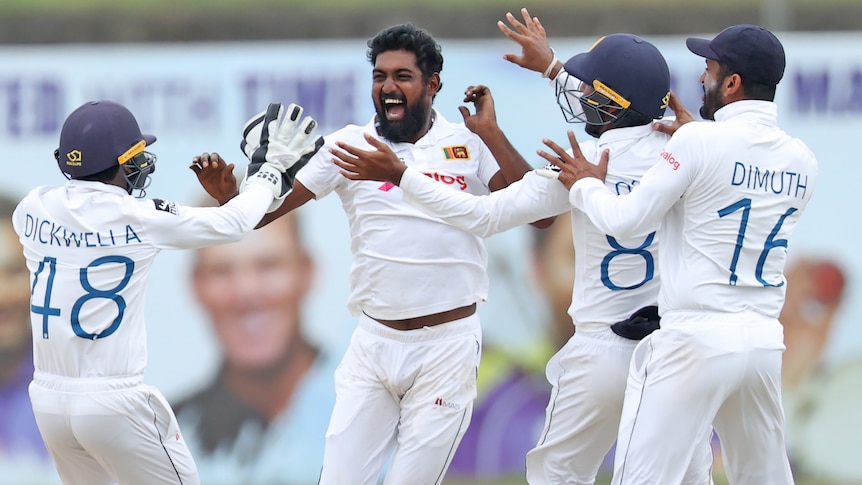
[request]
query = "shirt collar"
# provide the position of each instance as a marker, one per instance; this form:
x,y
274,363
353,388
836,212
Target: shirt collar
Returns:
x,y
765,112
617,135
87,185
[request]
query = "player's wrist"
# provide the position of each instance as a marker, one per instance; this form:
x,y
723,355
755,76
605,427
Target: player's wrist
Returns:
x,y
398,175
267,176
558,66
552,66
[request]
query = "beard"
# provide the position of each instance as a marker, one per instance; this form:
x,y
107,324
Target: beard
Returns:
x,y
415,117
712,102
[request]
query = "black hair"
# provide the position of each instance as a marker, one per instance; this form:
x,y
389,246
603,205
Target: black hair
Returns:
x,y
408,37
752,89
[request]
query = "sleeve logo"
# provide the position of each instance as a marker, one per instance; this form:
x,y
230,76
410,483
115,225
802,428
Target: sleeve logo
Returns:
x,y
456,153
674,163
165,206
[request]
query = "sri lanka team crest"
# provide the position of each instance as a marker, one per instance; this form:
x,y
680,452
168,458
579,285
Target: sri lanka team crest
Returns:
x,y
456,153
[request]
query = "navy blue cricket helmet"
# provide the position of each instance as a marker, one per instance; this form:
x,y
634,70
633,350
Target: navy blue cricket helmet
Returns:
x,y
99,135
626,72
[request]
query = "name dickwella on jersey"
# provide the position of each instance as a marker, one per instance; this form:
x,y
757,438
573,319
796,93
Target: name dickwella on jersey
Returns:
x,y
53,234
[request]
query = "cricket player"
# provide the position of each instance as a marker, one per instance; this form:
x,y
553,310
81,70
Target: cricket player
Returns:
x,y
406,385
728,194
89,247
616,279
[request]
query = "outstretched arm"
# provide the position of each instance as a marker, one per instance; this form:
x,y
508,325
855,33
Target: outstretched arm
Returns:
x,y
530,199
536,53
619,215
278,143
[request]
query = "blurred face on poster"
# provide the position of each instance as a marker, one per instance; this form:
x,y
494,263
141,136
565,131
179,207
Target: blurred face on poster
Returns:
x,y
815,289
554,270
253,291
14,297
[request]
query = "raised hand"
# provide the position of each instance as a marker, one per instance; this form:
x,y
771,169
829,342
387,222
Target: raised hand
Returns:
x,y
284,145
683,116
573,167
380,163
485,119
536,53
215,176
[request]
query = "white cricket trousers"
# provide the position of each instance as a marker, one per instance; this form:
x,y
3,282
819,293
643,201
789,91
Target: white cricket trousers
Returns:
x,y
705,369
588,383
110,430
410,392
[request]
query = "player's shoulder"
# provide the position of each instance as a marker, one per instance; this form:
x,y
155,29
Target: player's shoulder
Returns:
x,y
589,149
349,134
36,192
806,159
35,195
695,131
448,130
800,145
699,127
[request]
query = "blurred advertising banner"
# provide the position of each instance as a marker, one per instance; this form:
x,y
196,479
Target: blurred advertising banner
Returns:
x,y
196,97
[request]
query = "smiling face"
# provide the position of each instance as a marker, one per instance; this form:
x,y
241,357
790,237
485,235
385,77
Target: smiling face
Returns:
x,y
253,291
402,97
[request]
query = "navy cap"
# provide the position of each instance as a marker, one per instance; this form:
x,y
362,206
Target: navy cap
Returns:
x,y
97,136
631,66
749,50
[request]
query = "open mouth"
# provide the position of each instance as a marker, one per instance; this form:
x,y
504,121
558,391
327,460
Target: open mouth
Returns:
x,y
394,108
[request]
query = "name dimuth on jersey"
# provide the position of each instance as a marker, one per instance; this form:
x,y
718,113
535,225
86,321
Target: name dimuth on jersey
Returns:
x,y
778,182
52,234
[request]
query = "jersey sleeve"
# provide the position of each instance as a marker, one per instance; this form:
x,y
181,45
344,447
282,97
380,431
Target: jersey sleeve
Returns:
x,y
320,175
644,207
525,201
488,166
171,226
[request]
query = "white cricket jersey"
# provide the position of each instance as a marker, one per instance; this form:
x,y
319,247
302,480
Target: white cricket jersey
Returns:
x,y
614,277
89,248
405,263
728,194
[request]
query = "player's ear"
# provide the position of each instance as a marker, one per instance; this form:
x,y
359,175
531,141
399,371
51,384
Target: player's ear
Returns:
x,y
434,83
733,84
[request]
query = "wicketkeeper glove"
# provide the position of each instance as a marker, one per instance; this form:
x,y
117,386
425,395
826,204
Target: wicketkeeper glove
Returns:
x,y
277,147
